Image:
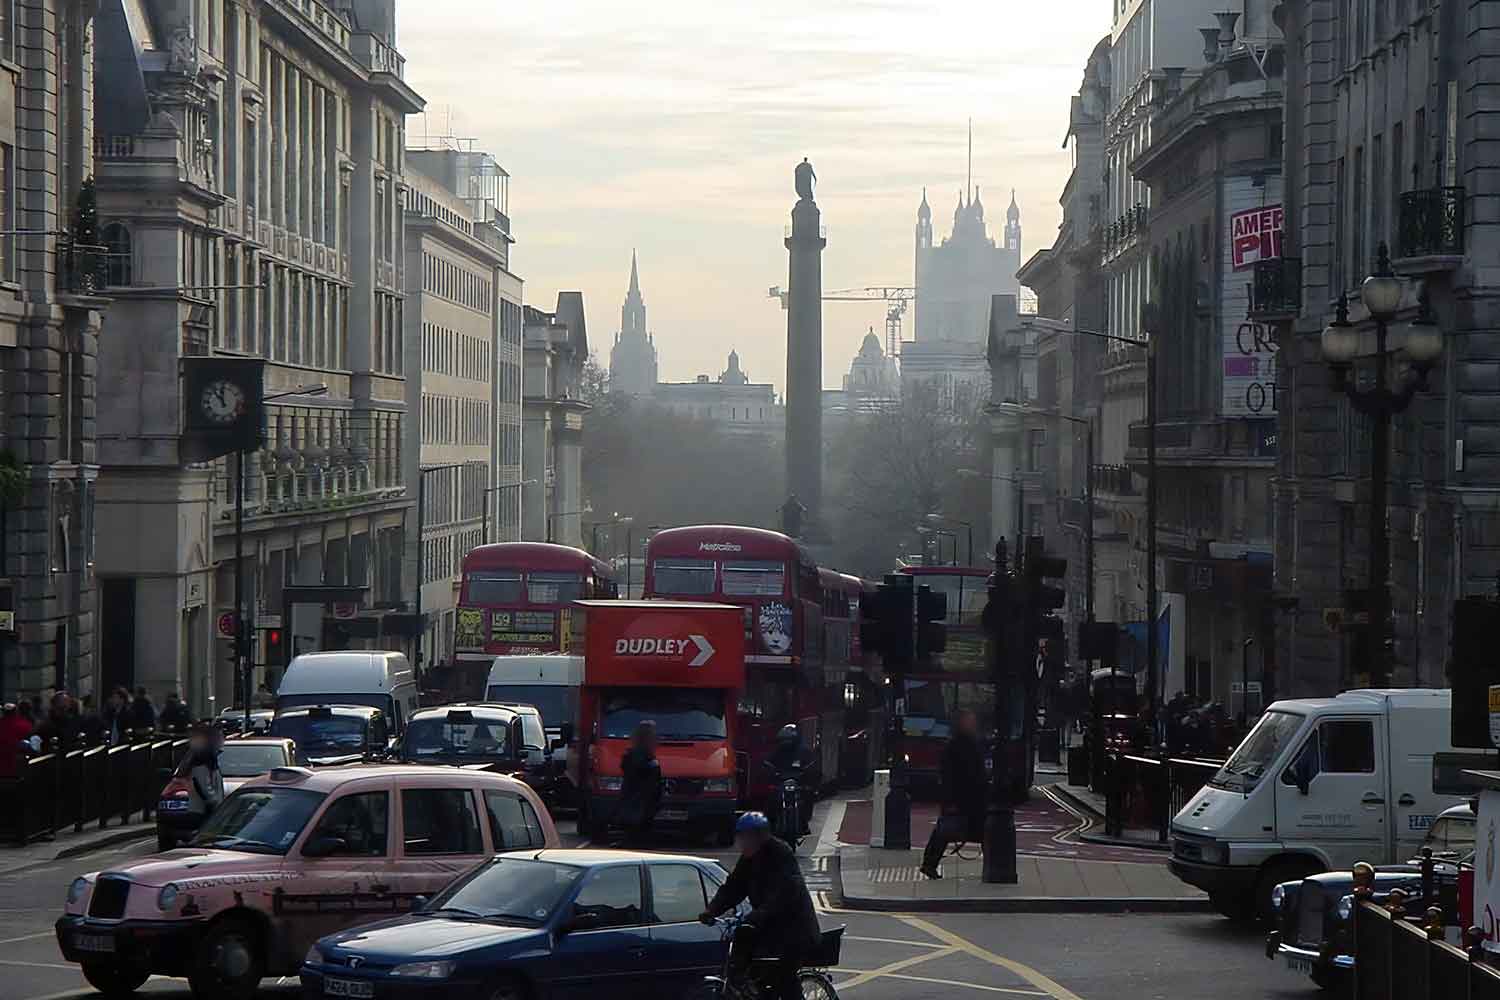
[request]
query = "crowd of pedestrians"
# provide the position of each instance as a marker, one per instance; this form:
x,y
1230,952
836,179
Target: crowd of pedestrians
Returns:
x,y
35,726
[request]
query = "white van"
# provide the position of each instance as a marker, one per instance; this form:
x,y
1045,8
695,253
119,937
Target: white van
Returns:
x,y
375,677
551,682
1319,784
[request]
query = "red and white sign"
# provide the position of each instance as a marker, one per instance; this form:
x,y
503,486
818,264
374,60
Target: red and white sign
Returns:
x,y
345,610
703,650
1255,235
224,624
661,642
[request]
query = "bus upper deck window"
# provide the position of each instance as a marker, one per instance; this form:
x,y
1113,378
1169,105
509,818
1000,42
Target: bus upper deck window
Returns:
x,y
493,586
554,588
679,577
754,578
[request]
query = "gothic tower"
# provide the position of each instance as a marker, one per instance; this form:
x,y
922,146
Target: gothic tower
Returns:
x,y
1013,227
632,361
923,251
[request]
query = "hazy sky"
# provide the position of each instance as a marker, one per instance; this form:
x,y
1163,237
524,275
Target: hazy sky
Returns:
x,y
673,127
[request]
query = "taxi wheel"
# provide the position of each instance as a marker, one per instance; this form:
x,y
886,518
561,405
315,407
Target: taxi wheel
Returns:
x,y
114,980
230,965
507,989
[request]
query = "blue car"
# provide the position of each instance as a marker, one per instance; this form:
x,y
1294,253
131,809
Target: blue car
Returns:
x,y
544,925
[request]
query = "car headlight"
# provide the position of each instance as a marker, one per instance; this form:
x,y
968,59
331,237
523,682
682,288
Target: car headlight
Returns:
x,y
607,783
425,970
78,889
166,897
717,786
313,956
1345,909
1278,896
1214,853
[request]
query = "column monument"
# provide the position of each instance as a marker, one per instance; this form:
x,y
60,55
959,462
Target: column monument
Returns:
x,y
804,354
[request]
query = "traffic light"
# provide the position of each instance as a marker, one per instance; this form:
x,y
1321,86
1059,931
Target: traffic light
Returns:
x,y
1001,618
1041,597
932,632
885,620
273,646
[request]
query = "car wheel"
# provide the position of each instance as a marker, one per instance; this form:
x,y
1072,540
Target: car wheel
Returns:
x,y
1272,876
114,980
229,964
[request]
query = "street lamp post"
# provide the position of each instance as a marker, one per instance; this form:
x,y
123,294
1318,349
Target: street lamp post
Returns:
x,y
941,518
1381,293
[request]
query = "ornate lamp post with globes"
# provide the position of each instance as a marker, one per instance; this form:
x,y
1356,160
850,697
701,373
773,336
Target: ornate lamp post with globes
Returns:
x,y
1420,345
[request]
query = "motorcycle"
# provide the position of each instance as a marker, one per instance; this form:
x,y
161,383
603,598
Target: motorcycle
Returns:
x,y
788,824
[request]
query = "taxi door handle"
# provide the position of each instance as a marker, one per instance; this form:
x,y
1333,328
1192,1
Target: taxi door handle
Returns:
x,y
1406,800
1371,799
638,953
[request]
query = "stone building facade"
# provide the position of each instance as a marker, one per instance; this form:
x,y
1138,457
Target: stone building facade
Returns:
x,y
1389,124
462,354
251,190
556,347
731,403
50,318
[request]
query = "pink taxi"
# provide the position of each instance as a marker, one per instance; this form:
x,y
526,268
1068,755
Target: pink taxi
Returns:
x,y
287,859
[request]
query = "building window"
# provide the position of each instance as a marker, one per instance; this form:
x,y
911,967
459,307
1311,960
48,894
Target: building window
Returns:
x,y
116,239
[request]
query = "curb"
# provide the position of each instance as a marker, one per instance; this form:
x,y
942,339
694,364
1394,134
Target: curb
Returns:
x,y
1078,805
108,840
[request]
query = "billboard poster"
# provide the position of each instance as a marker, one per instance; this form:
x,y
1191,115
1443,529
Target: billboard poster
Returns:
x,y
1252,232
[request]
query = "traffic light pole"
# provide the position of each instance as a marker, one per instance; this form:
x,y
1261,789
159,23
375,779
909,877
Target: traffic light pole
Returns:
x,y
999,816
898,800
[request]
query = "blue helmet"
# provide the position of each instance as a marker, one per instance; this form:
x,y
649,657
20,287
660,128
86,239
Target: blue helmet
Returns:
x,y
752,822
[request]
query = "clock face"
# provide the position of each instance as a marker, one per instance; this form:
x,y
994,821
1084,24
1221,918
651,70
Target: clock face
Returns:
x,y
222,402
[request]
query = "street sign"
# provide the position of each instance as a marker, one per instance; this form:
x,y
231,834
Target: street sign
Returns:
x,y
265,621
7,621
224,625
345,610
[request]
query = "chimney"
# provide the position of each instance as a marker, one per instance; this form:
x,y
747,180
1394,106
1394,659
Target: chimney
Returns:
x,y
1174,80
1227,21
1210,44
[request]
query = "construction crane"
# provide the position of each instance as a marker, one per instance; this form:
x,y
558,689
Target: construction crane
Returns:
x,y
895,297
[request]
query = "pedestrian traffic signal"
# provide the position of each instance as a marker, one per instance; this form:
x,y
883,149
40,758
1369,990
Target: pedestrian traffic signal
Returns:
x,y
1041,597
932,631
273,645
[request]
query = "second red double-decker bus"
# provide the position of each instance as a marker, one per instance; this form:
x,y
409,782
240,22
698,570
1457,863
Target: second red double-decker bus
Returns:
x,y
788,676
514,598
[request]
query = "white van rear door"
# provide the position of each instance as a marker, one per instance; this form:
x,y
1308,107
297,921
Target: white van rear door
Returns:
x,y
1342,764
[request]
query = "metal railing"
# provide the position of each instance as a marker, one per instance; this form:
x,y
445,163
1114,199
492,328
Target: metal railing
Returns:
x,y
74,788
1146,790
1116,479
1277,287
1432,222
1401,957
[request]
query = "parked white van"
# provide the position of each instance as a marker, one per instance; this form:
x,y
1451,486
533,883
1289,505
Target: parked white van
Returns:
x,y
1318,784
551,682
375,677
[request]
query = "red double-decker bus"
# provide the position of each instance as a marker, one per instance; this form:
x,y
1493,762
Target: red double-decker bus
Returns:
x,y
791,675
514,598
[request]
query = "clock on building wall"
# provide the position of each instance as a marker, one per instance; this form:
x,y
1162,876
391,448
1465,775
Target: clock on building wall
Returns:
x,y
223,406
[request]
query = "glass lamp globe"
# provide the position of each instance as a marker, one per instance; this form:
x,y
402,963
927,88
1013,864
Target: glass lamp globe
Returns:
x,y
1340,343
1382,295
1424,342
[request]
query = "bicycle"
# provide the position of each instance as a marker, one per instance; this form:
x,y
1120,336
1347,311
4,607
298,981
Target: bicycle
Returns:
x,y
738,980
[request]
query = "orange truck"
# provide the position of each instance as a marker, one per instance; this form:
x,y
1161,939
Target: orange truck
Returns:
x,y
682,666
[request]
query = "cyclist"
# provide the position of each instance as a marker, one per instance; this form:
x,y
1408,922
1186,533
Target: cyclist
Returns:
x,y
781,922
789,758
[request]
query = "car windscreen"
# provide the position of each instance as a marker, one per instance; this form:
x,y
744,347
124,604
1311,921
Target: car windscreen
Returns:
x,y
1250,761
494,586
261,820
241,760
554,587
476,739
509,888
679,713
322,734
683,577
556,703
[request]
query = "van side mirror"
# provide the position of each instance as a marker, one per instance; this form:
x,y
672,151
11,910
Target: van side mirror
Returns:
x,y
418,904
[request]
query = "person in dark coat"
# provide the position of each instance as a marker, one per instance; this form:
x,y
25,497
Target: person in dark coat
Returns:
x,y
142,712
782,921
61,724
790,758
964,784
175,716
640,785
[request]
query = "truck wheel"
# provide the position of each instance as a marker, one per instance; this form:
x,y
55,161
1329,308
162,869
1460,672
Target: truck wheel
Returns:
x,y
113,979
229,964
1273,875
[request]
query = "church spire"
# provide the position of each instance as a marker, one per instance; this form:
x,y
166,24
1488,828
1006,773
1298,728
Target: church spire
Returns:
x,y
635,277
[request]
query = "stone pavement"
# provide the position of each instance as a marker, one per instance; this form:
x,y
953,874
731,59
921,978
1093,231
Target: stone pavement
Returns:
x,y
67,844
873,879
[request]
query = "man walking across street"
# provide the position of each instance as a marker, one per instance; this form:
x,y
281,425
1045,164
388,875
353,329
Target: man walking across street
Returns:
x,y
782,922
962,819
640,785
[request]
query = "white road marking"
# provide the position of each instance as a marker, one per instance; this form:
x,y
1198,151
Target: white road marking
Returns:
x,y
29,937
885,970
944,982
913,944
828,837
39,965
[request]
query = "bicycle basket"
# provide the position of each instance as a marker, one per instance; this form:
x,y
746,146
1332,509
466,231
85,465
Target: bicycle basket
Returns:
x,y
826,955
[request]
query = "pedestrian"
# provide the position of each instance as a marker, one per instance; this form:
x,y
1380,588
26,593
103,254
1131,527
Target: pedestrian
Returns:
x,y
640,785
142,712
264,696
15,729
117,715
201,768
90,723
61,725
175,716
962,818
782,922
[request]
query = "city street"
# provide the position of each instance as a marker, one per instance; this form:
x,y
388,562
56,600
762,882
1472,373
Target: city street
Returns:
x,y
885,957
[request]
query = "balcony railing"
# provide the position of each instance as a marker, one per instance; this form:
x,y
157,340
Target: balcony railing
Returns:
x,y
1116,479
1432,223
1122,234
1277,288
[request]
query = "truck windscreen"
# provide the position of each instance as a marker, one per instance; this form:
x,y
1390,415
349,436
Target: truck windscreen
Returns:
x,y
558,704
679,713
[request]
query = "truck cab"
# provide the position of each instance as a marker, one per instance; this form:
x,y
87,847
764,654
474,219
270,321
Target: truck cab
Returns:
x,y
1318,784
682,666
